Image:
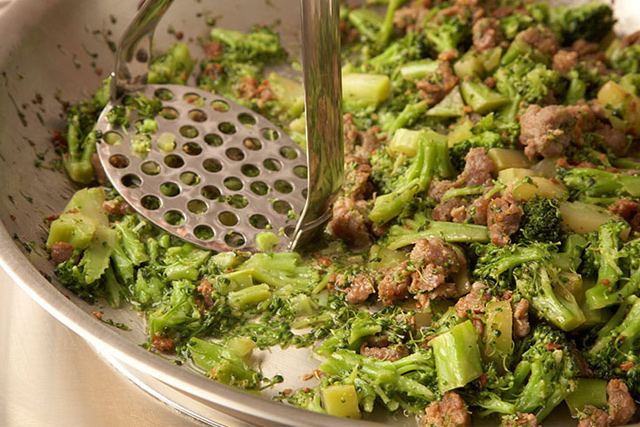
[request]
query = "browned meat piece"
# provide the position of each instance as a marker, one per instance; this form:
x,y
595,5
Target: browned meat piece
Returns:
x,y
205,289
214,49
349,222
522,420
448,55
631,39
479,209
521,327
474,302
360,288
486,34
503,219
61,252
564,61
249,89
116,206
477,169
439,252
390,354
624,207
437,85
450,210
635,222
451,411
541,38
101,176
370,141
547,131
621,404
410,18
593,417
614,139
395,284
427,279
356,181
473,305
162,343
438,188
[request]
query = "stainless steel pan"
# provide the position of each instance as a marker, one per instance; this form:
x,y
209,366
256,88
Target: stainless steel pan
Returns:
x,y
57,50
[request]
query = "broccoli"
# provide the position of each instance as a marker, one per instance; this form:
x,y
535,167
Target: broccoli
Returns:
x,y
408,48
305,398
590,21
541,221
624,58
530,269
543,373
224,364
598,183
260,45
448,34
614,353
409,383
603,258
459,150
173,67
431,160
411,231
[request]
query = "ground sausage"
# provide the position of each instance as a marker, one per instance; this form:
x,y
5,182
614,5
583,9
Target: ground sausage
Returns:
x,y
594,417
391,353
439,252
349,222
61,252
520,419
621,404
503,219
564,61
624,207
541,38
451,411
445,211
521,327
477,169
394,286
486,34
360,288
437,188
548,131
613,138
437,85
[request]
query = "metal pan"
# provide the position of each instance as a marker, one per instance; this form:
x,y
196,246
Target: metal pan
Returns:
x,y
57,50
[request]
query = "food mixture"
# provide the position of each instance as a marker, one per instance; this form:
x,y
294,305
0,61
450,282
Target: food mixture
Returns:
x,y
483,258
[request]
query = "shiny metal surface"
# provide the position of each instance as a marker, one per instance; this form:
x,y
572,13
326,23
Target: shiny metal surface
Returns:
x,y
226,187
132,63
54,50
323,112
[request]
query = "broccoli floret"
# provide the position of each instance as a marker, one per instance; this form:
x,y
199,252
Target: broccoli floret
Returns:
x,y
624,58
448,34
408,48
261,45
409,383
223,364
541,221
173,67
309,399
614,354
588,182
603,258
177,315
543,373
72,277
530,268
591,21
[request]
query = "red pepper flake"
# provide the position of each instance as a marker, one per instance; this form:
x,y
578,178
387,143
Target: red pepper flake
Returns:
x,y
306,389
627,366
99,71
12,217
553,346
287,391
605,282
483,379
326,262
307,377
467,109
554,181
97,315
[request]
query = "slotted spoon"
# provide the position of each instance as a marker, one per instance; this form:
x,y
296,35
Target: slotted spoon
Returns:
x,y
217,173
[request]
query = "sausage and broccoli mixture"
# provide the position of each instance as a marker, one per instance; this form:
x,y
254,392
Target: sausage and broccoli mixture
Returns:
x,y
483,258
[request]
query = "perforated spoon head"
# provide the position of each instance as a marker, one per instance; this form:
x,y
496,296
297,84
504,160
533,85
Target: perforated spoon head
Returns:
x,y
216,173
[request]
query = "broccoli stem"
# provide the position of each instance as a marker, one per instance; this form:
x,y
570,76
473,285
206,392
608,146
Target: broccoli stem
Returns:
x,y
77,162
449,231
409,114
457,356
364,90
479,97
599,183
605,291
367,22
622,330
249,296
417,70
587,392
462,192
387,25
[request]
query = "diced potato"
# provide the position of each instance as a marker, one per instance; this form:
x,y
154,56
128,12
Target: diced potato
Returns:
x,y
341,400
505,158
405,142
383,257
511,175
584,217
546,167
460,133
621,107
527,185
498,334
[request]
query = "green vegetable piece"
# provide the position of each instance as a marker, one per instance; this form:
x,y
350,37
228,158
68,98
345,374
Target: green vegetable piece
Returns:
x,y
449,231
457,357
587,392
266,241
470,65
417,70
288,92
96,258
341,400
249,296
364,90
451,106
480,98
75,229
